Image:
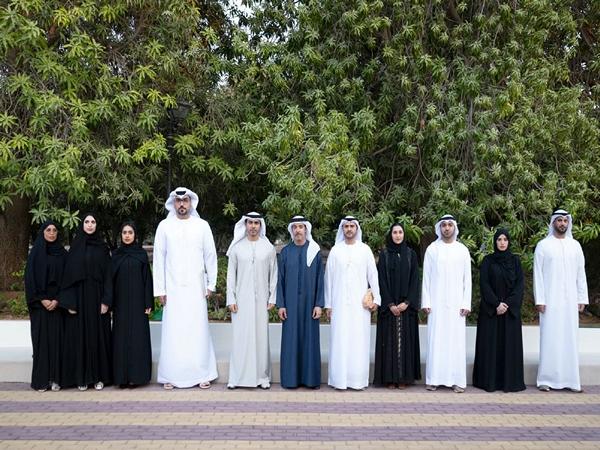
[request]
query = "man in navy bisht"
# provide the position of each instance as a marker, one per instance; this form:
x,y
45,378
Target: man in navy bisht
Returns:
x,y
300,299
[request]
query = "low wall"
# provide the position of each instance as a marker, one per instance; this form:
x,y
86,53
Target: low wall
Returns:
x,y
15,350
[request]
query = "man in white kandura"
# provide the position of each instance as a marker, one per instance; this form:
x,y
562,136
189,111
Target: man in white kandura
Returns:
x,y
560,290
349,273
251,293
185,274
446,298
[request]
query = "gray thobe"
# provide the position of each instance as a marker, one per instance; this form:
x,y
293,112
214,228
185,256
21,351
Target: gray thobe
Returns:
x,y
251,285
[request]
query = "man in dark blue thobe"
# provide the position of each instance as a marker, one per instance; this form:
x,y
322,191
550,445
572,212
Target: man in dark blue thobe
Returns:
x,y
300,299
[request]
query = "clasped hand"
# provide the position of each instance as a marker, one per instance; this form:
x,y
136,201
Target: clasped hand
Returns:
x,y
502,308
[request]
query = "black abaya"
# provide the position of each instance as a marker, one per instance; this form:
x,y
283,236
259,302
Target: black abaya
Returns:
x,y
499,344
397,352
132,294
87,284
43,274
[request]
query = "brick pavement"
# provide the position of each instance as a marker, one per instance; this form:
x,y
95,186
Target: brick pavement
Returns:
x,y
150,417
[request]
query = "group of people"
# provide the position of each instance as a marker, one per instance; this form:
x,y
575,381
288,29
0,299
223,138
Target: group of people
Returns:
x,y
69,295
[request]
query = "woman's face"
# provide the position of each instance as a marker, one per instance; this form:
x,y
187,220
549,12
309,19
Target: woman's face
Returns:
x,y
397,234
89,224
127,235
50,233
502,243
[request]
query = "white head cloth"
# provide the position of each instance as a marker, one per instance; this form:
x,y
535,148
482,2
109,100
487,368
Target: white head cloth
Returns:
x,y
561,213
340,233
181,192
313,247
438,226
239,231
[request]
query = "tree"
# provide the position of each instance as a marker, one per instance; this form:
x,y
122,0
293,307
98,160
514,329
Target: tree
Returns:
x,y
420,108
84,91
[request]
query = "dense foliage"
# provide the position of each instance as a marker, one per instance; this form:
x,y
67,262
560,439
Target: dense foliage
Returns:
x,y
485,109
421,108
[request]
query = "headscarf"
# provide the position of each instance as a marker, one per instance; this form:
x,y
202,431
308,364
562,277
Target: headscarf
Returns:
x,y
180,193
39,272
313,247
239,230
438,226
77,267
398,264
340,233
561,213
505,259
133,250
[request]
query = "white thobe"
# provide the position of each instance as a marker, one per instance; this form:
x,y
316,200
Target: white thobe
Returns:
x,y
559,283
251,285
349,272
446,290
184,266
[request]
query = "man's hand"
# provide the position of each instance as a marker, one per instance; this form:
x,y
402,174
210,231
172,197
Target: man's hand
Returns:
x,y
581,307
162,299
233,308
103,308
72,311
394,310
46,304
317,311
427,310
541,308
464,312
282,313
147,311
54,305
270,306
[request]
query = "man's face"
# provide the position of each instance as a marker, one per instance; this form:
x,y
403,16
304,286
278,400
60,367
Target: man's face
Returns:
x,y
89,225
299,232
50,233
252,227
447,228
349,229
560,225
182,206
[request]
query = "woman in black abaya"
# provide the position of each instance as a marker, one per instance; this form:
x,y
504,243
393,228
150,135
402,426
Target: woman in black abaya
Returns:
x,y
43,274
86,293
397,353
132,302
499,345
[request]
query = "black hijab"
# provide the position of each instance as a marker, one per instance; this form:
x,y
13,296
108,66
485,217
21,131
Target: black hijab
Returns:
x,y
505,259
88,256
133,250
45,264
398,264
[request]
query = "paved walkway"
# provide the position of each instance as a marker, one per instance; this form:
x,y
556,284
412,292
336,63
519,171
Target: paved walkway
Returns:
x,y
376,418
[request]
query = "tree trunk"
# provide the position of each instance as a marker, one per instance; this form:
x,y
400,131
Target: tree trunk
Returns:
x,y
14,240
